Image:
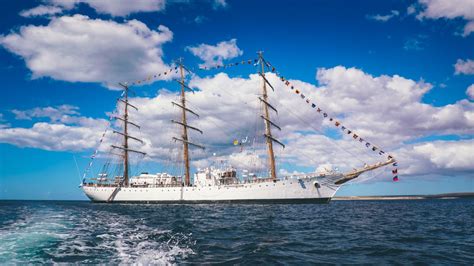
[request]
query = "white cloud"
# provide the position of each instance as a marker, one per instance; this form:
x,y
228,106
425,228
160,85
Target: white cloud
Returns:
x,y
438,9
114,7
464,67
385,110
214,54
65,129
470,92
81,49
41,10
384,18
53,137
382,108
468,28
438,157
447,9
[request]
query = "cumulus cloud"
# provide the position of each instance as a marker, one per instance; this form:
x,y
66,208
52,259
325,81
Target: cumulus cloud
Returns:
x,y
385,110
64,130
41,10
468,28
465,67
382,107
384,18
470,92
214,54
437,157
447,9
439,9
78,48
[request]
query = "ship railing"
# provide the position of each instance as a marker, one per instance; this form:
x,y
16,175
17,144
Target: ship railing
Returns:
x,y
309,175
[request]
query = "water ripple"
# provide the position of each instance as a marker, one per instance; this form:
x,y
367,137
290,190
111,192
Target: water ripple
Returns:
x,y
349,232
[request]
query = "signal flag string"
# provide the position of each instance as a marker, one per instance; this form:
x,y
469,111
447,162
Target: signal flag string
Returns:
x,y
335,122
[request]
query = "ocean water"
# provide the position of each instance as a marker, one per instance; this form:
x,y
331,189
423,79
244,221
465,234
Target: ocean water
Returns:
x,y
341,232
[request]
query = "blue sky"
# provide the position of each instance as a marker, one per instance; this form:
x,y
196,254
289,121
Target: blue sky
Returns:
x,y
421,41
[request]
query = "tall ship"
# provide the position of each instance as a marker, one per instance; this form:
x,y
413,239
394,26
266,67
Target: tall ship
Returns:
x,y
218,182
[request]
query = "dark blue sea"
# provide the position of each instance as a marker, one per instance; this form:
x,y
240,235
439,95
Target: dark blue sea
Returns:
x,y
341,232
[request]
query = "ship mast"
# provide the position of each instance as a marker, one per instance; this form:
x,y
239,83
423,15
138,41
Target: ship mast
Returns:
x,y
125,147
266,118
184,137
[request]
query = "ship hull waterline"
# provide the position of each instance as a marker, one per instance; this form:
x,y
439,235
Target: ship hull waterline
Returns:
x,y
310,190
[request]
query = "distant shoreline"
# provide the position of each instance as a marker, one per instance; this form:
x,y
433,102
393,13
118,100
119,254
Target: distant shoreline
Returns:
x,y
410,197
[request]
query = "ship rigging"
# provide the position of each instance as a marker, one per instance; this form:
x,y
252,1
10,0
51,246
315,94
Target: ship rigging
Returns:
x,y
207,182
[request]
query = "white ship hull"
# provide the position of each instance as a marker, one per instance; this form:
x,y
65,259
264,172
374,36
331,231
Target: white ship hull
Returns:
x,y
314,189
